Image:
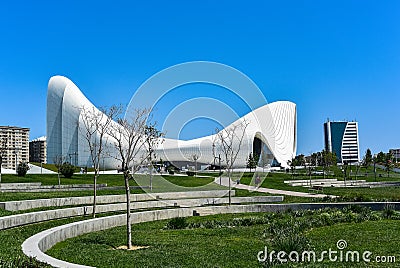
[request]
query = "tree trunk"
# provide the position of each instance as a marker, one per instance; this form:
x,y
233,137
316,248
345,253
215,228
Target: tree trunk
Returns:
x,y
94,193
151,177
59,181
229,194
128,211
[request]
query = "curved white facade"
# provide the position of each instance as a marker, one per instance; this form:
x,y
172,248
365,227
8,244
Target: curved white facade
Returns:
x,y
271,133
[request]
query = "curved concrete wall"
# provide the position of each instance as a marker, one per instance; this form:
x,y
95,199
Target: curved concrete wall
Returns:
x,y
107,199
34,217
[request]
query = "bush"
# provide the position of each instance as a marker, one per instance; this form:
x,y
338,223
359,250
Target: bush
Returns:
x,y
176,223
22,169
67,170
190,173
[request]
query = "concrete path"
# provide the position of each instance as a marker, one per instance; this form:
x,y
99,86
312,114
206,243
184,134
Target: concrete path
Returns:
x,y
225,182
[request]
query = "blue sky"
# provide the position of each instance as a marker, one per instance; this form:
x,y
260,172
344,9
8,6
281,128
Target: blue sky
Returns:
x,y
334,59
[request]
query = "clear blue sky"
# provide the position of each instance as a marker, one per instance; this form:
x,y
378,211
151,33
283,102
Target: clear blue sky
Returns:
x,y
336,59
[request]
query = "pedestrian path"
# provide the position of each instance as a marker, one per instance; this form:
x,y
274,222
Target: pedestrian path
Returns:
x,y
225,182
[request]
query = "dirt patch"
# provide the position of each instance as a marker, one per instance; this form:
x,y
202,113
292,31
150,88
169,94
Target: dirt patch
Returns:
x,y
132,248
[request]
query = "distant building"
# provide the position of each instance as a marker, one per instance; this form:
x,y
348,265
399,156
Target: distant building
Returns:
x,y
341,137
396,154
37,150
14,146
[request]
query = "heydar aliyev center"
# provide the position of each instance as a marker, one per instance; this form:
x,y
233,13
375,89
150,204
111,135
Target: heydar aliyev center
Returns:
x,y
270,135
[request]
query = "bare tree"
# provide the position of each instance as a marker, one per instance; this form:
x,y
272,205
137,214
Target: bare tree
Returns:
x,y
93,125
154,137
58,161
129,140
230,142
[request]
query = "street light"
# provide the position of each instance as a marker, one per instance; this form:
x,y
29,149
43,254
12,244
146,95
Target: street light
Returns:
x,y
195,157
75,154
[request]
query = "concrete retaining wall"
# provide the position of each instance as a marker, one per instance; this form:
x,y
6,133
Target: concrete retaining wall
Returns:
x,y
33,217
8,186
36,245
106,199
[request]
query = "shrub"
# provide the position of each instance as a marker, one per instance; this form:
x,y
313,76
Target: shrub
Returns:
x,y
291,242
22,169
177,223
67,170
190,173
388,212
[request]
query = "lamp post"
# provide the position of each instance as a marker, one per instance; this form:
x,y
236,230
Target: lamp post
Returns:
x,y
195,157
75,154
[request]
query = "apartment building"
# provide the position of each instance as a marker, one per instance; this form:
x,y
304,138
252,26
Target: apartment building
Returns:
x,y
37,150
14,146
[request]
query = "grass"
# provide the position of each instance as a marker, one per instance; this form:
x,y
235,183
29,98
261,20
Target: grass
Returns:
x,y
168,248
181,183
189,181
380,237
12,239
9,196
231,240
52,179
276,181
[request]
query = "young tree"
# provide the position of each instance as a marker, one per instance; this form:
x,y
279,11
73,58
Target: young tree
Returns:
x,y
230,142
251,162
93,125
154,137
58,161
129,141
389,163
292,164
367,160
381,158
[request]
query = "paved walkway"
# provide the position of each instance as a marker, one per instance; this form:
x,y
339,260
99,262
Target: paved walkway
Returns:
x,y
225,182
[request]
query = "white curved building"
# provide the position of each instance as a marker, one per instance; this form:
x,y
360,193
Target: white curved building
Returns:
x,y
269,135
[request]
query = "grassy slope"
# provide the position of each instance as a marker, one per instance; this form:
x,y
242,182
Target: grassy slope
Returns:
x,y
219,247
225,247
276,181
111,180
381,238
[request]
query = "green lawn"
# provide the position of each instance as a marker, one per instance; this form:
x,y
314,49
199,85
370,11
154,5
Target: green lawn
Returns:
x,y
382,238
52,179
233,240
161,184
276,180
12,239
224,247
